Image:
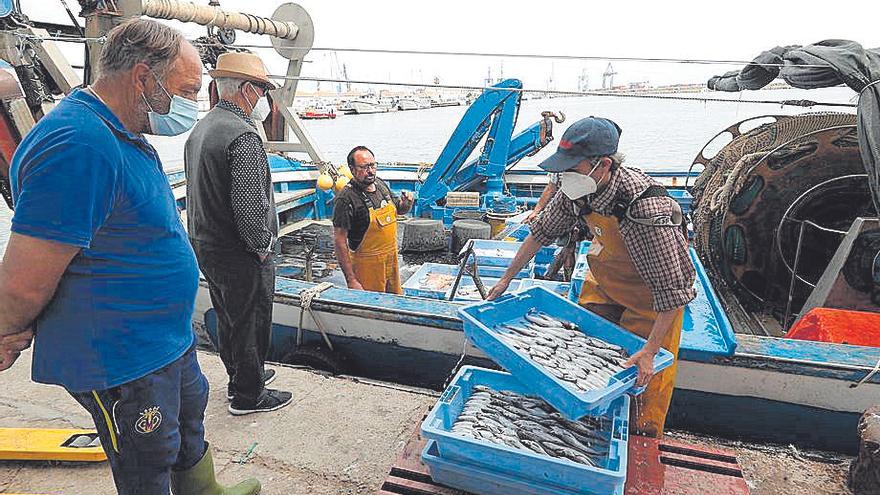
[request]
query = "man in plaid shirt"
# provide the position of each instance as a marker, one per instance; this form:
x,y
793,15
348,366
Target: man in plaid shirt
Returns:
x,y
640,275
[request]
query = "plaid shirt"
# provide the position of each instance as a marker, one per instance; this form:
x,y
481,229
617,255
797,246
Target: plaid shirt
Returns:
x,y
660,254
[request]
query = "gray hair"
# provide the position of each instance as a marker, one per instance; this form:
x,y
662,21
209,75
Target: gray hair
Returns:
x,y
616,160
228,85
140,41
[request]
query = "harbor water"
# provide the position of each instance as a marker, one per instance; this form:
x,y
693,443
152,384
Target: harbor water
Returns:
x,y
657,134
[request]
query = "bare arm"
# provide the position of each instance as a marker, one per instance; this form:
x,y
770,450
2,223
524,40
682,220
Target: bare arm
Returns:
x,y
404,203
340,242
546,195
644,358
29,275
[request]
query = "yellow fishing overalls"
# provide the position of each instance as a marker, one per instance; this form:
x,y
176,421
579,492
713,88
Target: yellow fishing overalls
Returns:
x,y
375,259
615,290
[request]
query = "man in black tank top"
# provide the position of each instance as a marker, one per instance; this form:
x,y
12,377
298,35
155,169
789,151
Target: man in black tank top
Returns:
x,y
364,220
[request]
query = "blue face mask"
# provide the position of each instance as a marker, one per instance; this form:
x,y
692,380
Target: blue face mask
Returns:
x,y
181,117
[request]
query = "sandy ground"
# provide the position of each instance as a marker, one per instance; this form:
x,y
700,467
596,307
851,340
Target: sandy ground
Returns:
x,y
339,437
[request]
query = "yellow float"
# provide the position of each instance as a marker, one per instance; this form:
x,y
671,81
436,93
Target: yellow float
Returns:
x,y
325,182
341,181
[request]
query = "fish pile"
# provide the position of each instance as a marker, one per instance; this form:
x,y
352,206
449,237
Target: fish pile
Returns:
x,y
436,281
564,351
530,424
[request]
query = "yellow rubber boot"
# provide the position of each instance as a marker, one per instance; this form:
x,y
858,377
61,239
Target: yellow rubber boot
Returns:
x,y
200,480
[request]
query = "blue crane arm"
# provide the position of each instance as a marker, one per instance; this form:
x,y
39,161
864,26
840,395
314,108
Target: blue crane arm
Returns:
x,y
526,143
480,118
495,112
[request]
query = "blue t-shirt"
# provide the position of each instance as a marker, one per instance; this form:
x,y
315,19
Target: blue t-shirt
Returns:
x,y
123,308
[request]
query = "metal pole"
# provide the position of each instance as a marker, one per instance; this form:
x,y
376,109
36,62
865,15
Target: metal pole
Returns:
x,y
794,277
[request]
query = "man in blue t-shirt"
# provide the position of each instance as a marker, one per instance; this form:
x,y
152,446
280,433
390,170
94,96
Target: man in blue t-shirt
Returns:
x,y
99,269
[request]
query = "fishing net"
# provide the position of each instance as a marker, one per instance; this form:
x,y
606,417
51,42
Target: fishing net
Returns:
x,y
796,166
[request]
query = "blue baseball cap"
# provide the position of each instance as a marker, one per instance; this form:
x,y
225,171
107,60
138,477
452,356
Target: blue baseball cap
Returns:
x,y
592,136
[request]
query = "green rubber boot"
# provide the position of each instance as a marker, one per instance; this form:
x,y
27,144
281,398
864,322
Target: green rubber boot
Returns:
x,y
200,480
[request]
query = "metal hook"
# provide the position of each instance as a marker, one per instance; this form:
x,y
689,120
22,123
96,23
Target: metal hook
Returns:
x,y
559,118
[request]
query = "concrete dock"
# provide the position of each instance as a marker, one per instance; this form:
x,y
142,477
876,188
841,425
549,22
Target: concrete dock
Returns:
x,y
340,436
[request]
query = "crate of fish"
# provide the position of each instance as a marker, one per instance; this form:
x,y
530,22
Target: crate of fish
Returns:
x,y
560,288
435,280
571,357
490,422
431,280
483,481
495,253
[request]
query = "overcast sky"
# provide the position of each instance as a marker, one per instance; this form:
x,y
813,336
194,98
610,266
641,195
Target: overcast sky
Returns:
x,y
682,29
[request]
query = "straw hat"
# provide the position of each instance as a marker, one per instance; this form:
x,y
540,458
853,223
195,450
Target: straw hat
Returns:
x,y
242,65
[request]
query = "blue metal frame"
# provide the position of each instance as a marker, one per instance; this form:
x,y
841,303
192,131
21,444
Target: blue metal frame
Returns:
x,y
494,112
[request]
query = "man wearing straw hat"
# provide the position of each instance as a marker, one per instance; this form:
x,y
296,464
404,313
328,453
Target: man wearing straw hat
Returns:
x,y
233,227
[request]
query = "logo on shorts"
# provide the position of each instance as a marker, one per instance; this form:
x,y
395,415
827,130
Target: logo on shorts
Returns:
x,y
149,420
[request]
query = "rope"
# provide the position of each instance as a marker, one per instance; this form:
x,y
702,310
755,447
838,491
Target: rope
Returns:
x,y
869,85
305,303
798,103
868,376
535,56
662,60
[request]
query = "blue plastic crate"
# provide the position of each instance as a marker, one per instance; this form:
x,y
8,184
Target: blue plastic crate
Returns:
x,y
537,472
467,289
683,197
514,232
579,274
560,288
412,287
583,248
483,481
480,320
518,218
498,271
495,253
547,254
540,272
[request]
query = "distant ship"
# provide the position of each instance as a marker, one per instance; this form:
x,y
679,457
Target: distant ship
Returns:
x,y
317,112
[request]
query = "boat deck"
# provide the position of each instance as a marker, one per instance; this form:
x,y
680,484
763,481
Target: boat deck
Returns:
x,y
341,436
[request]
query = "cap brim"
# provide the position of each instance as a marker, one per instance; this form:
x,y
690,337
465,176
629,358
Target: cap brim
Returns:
x,y
241,75
560,162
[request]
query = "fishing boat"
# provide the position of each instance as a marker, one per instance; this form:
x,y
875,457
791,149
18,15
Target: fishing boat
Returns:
x,y
738,375
317,112
367,104
413,102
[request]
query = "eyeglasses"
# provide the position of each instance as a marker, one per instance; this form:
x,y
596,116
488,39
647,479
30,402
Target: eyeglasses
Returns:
x,y
367,166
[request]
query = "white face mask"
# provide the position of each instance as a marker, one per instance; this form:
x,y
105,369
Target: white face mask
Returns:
x,y
261,108
576,185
